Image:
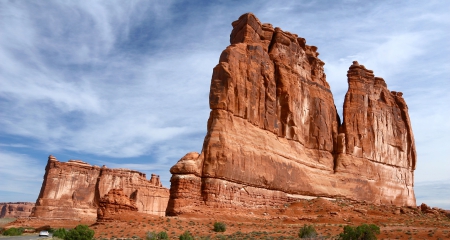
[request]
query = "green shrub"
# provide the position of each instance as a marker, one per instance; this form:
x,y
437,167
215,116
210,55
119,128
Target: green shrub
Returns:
x,y
222,237
219,227
156,236
80,232
361,232
307,231
186,236
13,231
60,233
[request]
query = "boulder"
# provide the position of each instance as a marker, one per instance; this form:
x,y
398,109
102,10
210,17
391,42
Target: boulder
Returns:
x,y
114,203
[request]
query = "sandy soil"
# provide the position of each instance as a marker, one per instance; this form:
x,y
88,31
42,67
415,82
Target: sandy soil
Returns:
x,y
328,218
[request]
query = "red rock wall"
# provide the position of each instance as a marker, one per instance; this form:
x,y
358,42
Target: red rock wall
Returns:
x,y
273,132
72,190
114,203
15,209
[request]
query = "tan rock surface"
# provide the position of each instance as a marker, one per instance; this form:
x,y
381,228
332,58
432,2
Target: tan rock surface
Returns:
x,y
15,209
274,135
72,190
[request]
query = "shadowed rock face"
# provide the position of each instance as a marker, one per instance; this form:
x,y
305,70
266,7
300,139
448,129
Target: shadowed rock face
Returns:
x,y
113,204
274,134
73,189
15,209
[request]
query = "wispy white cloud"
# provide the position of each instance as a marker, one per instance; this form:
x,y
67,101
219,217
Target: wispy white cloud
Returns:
x,y
433,193
120,111
20,174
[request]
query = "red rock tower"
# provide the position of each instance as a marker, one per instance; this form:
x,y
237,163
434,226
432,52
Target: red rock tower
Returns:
x,y
274,135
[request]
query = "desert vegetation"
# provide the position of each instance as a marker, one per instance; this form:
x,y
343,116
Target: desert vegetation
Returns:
x,y
219,227
13,231
307,231
156,236
363,232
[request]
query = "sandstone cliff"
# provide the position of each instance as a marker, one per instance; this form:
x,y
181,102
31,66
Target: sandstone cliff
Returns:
x,y
114,203
73,189
274,134
15,209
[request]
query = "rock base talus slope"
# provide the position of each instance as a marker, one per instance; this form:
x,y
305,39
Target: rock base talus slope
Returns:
x,y
15,209
274,134
72,190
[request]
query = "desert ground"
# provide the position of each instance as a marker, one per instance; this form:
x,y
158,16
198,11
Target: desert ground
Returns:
x,y
328,218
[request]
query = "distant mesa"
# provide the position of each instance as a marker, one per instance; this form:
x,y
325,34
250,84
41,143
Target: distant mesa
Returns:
x,y
76,190
274,135
15,209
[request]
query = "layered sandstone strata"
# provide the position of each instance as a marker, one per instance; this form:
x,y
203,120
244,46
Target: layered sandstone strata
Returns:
x,y
73,189
15,209
274,134
114,203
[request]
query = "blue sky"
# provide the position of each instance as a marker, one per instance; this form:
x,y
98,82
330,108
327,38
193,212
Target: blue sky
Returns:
x,y
126,83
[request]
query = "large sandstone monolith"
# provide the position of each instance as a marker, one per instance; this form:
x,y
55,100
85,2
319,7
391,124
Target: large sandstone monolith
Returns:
x,y
72,190
274,134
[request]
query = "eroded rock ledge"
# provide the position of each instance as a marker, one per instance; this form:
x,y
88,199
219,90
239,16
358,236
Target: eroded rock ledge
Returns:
x,y
73,190
274,134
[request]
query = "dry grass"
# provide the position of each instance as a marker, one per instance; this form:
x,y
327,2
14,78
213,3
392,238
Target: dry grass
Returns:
x,y
4,221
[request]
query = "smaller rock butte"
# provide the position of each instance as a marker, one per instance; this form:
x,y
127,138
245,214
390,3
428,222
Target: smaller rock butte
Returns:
x,y
15,209
114,203
274,135
73,189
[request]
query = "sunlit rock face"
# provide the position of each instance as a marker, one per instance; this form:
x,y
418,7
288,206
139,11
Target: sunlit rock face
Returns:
x,y
376,141
15,209
274,134
72,190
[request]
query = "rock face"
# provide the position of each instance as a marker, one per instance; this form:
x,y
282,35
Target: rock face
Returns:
x,y
15,209
114,203
274,134
73,190
376,141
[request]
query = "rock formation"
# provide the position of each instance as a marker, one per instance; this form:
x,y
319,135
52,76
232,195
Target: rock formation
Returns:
x,y
73,189
114,203
274,134
375,141
15,209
